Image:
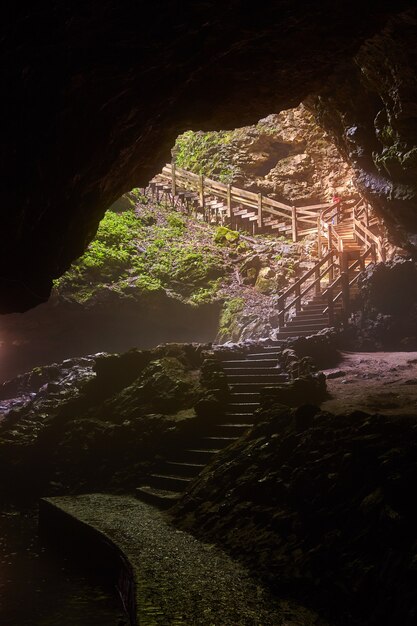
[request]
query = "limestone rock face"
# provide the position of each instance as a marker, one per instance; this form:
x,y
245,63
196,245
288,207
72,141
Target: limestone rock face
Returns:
x,y
287,156
371,110
96,95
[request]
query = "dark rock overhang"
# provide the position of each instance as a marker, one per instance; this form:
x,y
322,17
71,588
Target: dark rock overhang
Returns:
x,y
95,94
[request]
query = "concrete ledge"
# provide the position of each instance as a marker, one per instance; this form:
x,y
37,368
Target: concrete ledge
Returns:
x,y
61,523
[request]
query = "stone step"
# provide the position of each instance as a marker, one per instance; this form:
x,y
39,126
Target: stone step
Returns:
x,y
257,385
241,408
161,498
169,483
240,418
276,377
270,353
234,429
244,397
252,363
196,455
179,468
249,370
217,443
301,325
298,333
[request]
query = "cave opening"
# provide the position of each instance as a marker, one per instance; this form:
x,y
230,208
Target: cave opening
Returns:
x,y
290,440
141,281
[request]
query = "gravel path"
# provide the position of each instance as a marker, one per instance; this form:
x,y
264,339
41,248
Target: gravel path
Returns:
x,y
181,581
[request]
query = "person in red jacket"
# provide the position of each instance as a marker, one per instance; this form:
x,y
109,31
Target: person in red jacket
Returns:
x,y
337,200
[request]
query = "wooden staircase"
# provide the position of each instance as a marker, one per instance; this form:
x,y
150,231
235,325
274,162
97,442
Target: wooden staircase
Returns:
x,y
220,203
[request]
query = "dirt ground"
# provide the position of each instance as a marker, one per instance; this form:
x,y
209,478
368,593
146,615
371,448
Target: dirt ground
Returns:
x,y
375,382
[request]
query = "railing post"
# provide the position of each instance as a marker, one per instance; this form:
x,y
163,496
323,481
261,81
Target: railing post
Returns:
x,y
298,297
281,307
382,251
345,296
201,194
330,266
294,223
173,180
319,236
329,237
260,216
317,289
330,306
229,201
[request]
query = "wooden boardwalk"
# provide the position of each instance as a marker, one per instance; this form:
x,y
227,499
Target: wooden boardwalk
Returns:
x,y
347,237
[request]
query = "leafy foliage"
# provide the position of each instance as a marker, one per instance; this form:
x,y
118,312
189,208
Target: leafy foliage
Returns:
x,y
143,252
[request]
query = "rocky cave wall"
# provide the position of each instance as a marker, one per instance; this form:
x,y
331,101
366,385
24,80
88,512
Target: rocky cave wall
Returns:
x,y
97,93
370,108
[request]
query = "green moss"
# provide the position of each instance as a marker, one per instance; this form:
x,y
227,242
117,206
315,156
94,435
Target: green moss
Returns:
x,y
108,258
176,222
230,317
224,235
205,295
144,282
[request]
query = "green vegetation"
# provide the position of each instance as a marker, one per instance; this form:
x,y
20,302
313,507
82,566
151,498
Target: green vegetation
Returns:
x,y
111,256
229,317
224,235
206,153
145,252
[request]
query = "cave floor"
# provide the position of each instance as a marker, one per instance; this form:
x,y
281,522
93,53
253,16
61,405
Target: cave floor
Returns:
x,y
179,579
375,382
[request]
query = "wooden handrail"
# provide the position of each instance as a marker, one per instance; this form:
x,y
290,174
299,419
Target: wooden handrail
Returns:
x,y
307,275
338,280
296,287
295,216
298,221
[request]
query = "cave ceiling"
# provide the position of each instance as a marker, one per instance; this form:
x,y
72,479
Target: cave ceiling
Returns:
x,y
95,94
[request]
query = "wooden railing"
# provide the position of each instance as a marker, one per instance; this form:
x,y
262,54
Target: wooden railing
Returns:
x,y
330,261
296,221
343,284
361,229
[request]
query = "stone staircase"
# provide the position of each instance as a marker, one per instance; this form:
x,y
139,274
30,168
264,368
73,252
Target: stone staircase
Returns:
x,y
346,257
246,377
259,369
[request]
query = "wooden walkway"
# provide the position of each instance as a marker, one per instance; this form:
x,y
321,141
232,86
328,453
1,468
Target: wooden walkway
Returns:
x,y
348,239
